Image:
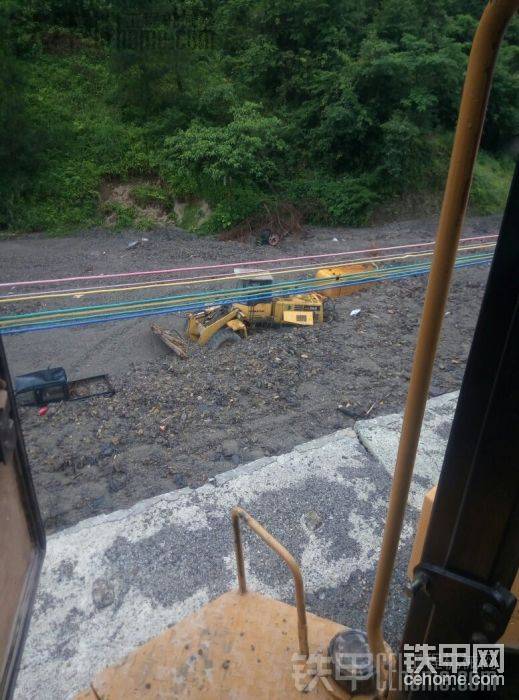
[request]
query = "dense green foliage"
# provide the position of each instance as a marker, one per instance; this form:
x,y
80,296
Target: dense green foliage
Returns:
x,y
334,105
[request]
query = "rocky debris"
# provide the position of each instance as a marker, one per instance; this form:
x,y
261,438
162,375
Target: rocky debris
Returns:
x,y
230,448
102,593
312,520
175,423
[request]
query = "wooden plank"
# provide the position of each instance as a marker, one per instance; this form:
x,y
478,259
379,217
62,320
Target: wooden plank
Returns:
x,y
171,339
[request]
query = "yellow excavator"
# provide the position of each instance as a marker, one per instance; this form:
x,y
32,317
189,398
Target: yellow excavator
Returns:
x,y
221,325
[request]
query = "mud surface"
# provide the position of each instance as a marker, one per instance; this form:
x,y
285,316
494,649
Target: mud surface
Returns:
x,y
175,423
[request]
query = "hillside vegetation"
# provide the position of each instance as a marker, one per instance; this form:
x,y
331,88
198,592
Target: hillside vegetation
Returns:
x,y
337,106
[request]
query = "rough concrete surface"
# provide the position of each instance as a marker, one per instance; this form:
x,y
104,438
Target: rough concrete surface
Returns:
x,y
380,437
113,581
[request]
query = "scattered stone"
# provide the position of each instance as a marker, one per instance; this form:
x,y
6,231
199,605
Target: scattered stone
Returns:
x,y
180,480
106,451
351,411
118,480
230,447
102,593
312,520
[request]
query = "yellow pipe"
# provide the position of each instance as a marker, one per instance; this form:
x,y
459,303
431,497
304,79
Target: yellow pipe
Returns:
x,y
189,281
474,102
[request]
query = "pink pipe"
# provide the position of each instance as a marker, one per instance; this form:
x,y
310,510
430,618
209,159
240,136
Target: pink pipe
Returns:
x,y
220,266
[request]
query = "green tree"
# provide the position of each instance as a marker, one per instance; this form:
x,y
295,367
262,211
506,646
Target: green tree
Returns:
x,y
248,148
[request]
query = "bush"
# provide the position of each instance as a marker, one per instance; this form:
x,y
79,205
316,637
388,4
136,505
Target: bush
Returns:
x,y
120,216
233,205
82,142
149,195
404,154
248,148
345,201
491,184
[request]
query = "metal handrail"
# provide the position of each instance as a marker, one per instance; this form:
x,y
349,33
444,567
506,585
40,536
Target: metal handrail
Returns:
x,y
238,514
473,107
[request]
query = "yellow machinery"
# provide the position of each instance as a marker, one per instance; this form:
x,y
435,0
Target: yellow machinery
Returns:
x,y
338,274
222,325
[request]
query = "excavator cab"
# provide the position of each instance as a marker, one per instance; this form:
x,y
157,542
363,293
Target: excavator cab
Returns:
x,y
256,285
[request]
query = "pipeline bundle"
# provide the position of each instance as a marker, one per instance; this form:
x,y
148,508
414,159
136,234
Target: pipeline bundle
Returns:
x,y
398,266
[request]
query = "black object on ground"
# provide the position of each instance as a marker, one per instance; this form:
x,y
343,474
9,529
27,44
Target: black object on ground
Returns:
x,y
51,385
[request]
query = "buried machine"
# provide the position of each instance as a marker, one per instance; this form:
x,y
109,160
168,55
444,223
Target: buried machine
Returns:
x,y
217,326
257,305
466,556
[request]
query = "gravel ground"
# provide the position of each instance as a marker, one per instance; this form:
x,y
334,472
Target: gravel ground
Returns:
x,y
174,422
